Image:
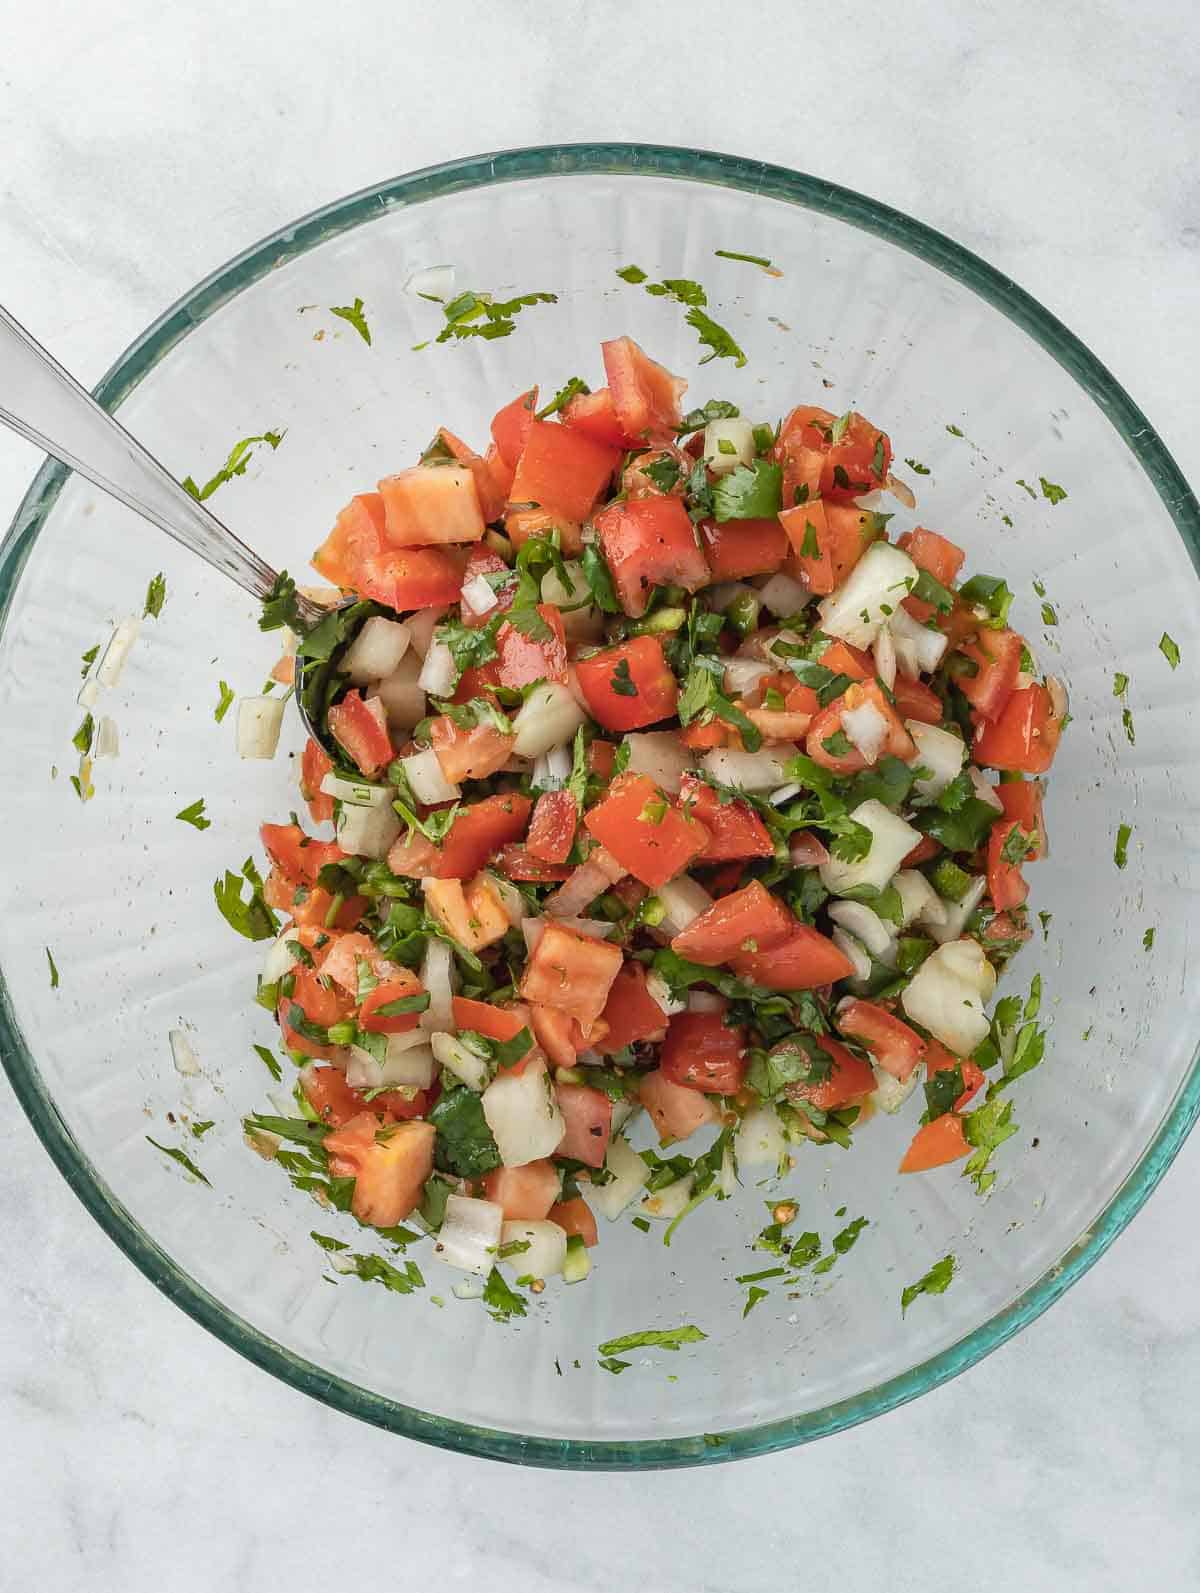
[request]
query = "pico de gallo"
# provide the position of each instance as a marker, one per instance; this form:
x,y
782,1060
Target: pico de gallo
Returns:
x,y
665,777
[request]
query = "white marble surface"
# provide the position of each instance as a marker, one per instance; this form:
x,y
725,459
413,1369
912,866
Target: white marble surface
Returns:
x,y
146,142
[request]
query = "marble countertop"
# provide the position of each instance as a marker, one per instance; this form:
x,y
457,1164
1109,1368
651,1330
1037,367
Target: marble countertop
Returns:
x,y
144,144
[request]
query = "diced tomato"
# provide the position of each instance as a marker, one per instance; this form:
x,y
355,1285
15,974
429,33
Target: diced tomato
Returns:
x,y
587,1114
938,1058
632,1014
805,962
283,670
321,1005
638,479
501,472
850,1079
526,1194
519,863
487,486
749,920
601,756
360,728
524,660
702,1053
645,396
402,986
575,1217
1003,928
806,426
496,1023
521,524
937,554
317,905
558,1034
857,462
675,1110
743,547
331,1098
842,659
314,766
1006,884
510,426
997,657
936,1144
925,850
411,578
595,415
700,737
401,1106
469,912
828,723
1022,800
648,834
646,543
896,1048
469,754
735,830
478,832
341,956
915,700
431,504
552,828
479,681
562,470
571,971
357,534
1025,736
628,686
390,1168
287,847
802,468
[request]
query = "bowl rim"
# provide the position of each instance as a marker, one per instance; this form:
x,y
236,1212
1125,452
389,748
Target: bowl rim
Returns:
x,y
288,242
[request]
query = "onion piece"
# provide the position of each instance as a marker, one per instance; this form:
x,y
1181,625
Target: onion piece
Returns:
x,y
743,675
421,627
259,722
545,1252
885,656
358,793
784,595
939,751
630,1176
523,1115
410,1067
590,879
875,587
705,1001
683,900
983,788
376,651
458,1058
660,993
659,754
668,1203
759,1140
889,1094
107,742
728,444
944,996
957,913
1059,703
120,643
89,693
426,780
549,717
749,771
478,596
439,671
853,950
367,831
858,920
183,1054
891,842
919,902
470,1234
432,282
437,975
403,700
901,491
867,729
918,649
551,770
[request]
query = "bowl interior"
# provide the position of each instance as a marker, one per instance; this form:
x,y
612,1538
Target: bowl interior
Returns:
x,y
870,312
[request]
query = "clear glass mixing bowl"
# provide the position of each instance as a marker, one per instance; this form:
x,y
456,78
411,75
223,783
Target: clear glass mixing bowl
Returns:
x,y
872,311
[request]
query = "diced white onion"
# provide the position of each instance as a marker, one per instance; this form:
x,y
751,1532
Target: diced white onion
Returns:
x,y
410,1067
684,901
783,595
470,1234
885,656
866,728
891,842
432,282
107,742
590,879
721,597
759,1138
108,672
901,491
856,917
421,627
547,1250
871,501
549,717
468,1289
259,722
957,913
743,675
523,1115
749,771
182,1054
944,996
667,1204
552,769
918,899
785,793
466,1065
279,958
403,700
705,1001
425,778
738,437
478,596
534,928
875,587
1059,703
511,901
437,973
939,751
358,793
918,649
889,1094
630,1176
376,651
660,993
659,754
438,672
984,789
853,950
89,693
367,831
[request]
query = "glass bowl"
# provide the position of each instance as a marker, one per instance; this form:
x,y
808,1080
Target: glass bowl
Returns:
x,y
872,310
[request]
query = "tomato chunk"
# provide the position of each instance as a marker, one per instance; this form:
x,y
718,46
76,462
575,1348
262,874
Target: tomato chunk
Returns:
x,y
749,920
650,542
850,1079
806,961
675,1110
628,686
390,1171
595,415
826,733
314,766
562,470
632,1014
858,461
497,1023
469,754
734,828
1006,883
702,1053
478,832
519,863
492,495
997,659
331,1098
896,1048
411,578
571,971
360,728
357,534
510,426
587,1114
1024,737
645,396
936,1144
403,986
938,1059
937,554
915,700
430,504
575,1217
649,835
743,547
1022,800
524,659
526,1193
552,828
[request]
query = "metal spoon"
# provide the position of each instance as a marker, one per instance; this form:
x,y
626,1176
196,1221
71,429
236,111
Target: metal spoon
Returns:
x,y
46,405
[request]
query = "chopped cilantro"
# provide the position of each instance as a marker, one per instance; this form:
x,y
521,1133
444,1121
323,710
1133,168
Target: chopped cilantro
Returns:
x,y
1027,487
239,457
622,682
1121,849
184,1160
703,699
715,409
750,259
842,1243
714,337
465,1145
986,1129
281,606
1170,650
200,1129
573,387
610,1363
1147,942
82,739
653,1338
838,744
227,696
193,814
54,981
156,596
268,1060
640,1222
501,1301
1045,919
87,660
1049,617
917,467
756,1294
1051,491
599,579
936,1281
954,431
665,472
353,313
252,917
632,274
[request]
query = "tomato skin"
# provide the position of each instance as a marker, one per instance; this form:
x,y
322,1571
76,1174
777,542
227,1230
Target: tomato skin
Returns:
x,y
331,1098
655,694
701,737
743,547
396,988
925,851
645,395
652,850
552,828
519,863
850,468
701,1053
930,551
526,1194
748,920
650,542
411,578
360,728
576,1217
558,1034
1024,737
850,1079
997,656
587,1114
805,961
896,1048
936,1144
572,972
314,766
828,722
468,754
510,426
523,660
429,504
1006,884
357,533
1022,800
601,755
938,1058
676,1111
631,1014
915,700
735,830
595,415
297,854
479,831
562,471
842,534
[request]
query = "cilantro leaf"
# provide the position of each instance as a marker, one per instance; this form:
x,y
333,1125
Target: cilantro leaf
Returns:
x,y
750,259
990,591
751,492
756,1294
474,314
715,409
1050,490
917,467
501,1301
280,606
571,388
986,1129
252,917
353,313
622,682
936,1281
268,1060
82,739
664,473
653,1338
184,1160
632,274
1169,648
465,1145
235,465
469,647
156,596
599,579
227,697
193,814
703,699
962,831
54,981
714,337
1121,849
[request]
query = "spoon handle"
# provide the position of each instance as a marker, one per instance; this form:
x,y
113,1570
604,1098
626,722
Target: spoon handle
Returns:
x,y
47,406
